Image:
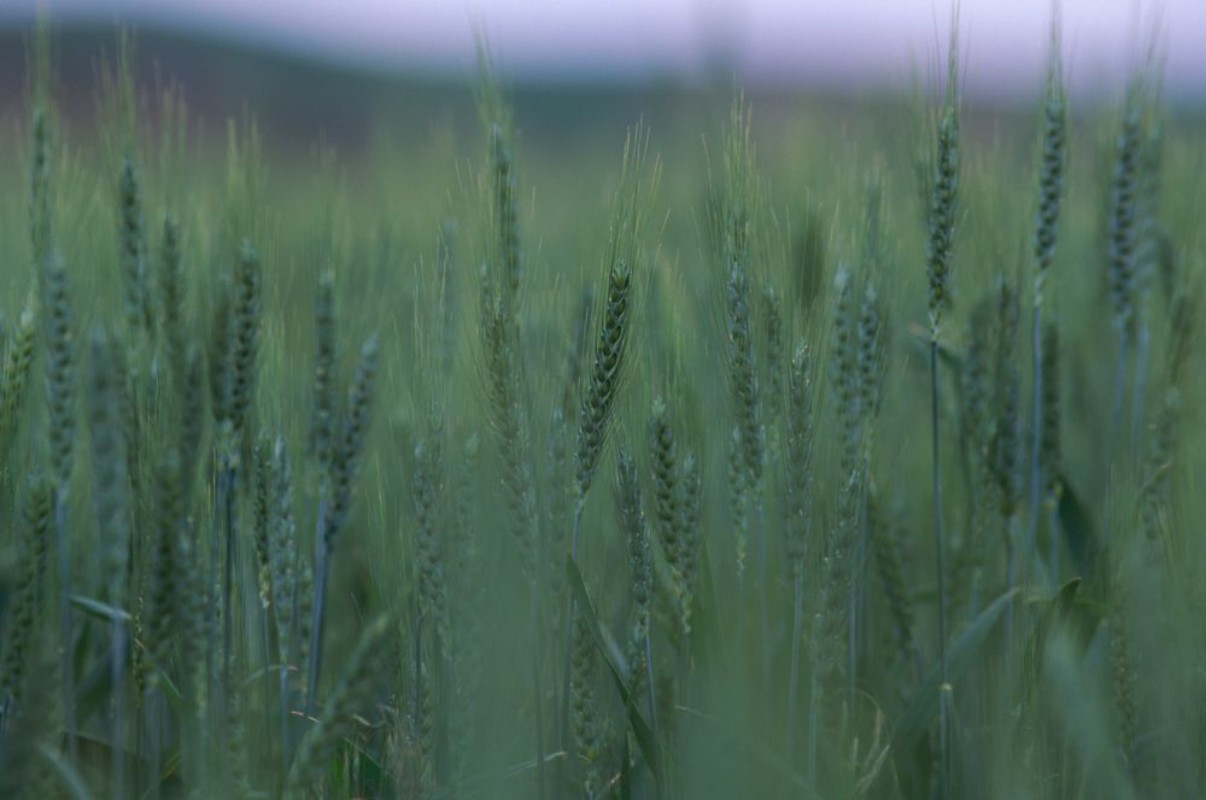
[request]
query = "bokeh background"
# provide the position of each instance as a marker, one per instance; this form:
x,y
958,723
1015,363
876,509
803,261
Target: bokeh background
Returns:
x,y
355,61
343,135
809,43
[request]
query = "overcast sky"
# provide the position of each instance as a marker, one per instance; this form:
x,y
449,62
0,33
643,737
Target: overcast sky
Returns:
x,y
840,42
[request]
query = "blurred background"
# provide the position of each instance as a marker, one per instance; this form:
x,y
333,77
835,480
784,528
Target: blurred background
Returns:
x,y
342,69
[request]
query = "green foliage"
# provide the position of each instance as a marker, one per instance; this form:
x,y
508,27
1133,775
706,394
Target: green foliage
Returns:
x,y
328,527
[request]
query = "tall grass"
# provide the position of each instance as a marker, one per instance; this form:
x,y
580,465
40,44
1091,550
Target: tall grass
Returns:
x,y
715,493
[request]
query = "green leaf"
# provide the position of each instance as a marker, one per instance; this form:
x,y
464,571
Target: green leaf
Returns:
x,y
614,658
100,610
922,710
70,778
1055,611
773,762
1077,525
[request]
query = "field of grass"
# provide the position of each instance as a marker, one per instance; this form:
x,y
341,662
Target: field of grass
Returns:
x,y
766,458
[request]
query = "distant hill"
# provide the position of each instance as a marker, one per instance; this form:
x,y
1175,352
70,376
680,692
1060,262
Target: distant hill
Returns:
x,y
297,99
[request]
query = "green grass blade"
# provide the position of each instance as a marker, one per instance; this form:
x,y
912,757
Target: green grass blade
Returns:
x,y
922,710
1077,525
70,778
613,656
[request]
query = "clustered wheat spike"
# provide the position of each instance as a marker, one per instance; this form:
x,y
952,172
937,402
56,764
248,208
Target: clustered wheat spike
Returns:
x,y
1051,415
430,533
1005,450
171,297
510,425
133,249
58,324
871,359
192,409
260,510
1052,168
607,371
743,374
605,377
40,200
506,216
110,489
30,601
690,533
844,370
667,499
735,223
282,552
246,323
976,372
18,360
322,415
168,582
584,715
1123,214
352,434
773,362
800,448
218,356
640,557
943,210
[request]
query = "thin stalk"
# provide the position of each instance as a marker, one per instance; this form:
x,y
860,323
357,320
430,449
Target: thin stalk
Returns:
x,y
649,689
1139,381
1116,416
1124,355
286,749
814,705
852,622
534,620
65,622
211,627
155,725
579,506
1036,427
227,480
855,611
1011,581
742,607
864,558
562,728
266,645
793,675
940,558
317,615
763,574
117,665
939,547
416,698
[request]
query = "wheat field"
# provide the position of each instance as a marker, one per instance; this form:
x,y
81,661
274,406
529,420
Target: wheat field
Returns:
x,y
756,459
